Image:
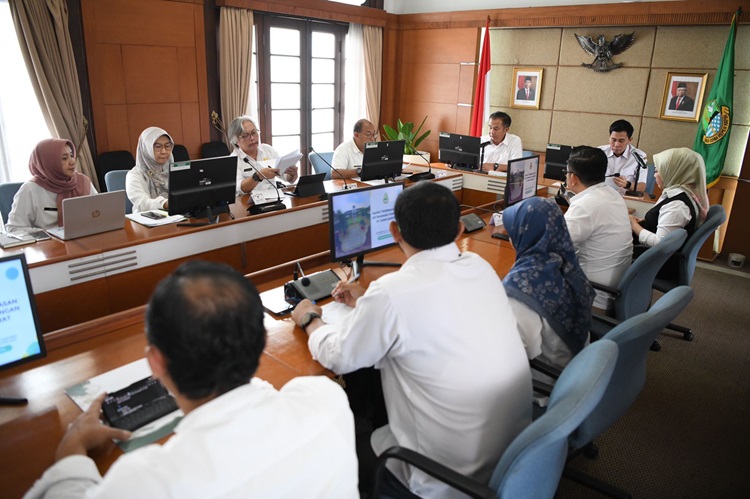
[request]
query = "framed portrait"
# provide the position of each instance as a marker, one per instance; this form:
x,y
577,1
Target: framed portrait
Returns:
x,y
526,90
683,96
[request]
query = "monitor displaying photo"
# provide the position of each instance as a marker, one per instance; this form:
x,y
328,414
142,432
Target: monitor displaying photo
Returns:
x,y
521,181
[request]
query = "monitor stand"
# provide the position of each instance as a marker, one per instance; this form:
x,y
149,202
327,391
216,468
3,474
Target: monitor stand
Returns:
x,y
207,212
13,401
360,262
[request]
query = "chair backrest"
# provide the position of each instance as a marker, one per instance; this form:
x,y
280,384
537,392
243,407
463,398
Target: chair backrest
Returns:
x,y
180,153
688,254
527,154
7,193
319,165
633,338
650,179
112,160
214,149
532,464
635,285
115,181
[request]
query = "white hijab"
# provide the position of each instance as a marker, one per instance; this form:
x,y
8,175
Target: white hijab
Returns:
x,y
684,168
156,174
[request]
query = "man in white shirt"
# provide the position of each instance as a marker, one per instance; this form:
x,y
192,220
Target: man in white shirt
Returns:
x,y
347,158
239,437
503,146
598,222
621,158
442,333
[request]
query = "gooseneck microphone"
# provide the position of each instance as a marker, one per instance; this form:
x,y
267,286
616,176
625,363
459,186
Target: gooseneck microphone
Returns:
x,y
481,153
641,164
428,175
613,175
346,184
258,208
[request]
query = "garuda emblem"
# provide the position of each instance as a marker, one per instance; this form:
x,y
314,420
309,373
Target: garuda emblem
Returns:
x,y
604,50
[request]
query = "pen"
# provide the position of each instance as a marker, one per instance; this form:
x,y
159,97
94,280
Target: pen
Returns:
x,y
47,208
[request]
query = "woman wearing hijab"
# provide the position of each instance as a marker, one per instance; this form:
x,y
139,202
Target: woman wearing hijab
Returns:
x,y
548,290
147,184
38,203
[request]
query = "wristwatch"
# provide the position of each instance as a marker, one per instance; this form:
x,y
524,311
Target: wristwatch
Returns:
x,y
359,171
256,177
307,319
628,186
495,166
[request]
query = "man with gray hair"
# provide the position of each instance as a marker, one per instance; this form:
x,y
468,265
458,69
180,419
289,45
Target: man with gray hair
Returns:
x,y
255,160
347,158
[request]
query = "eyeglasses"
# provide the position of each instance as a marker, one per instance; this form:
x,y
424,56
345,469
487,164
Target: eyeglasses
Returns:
x,y
167,147
370,135
569,171
247,135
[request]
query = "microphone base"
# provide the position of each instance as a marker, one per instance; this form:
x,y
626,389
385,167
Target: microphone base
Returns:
x,y
259,209
416,177
634,194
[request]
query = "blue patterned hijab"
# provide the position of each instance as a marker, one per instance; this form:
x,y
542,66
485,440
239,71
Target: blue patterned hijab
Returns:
x,y
546,276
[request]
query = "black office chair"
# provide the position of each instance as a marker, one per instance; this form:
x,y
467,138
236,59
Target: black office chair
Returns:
x,y
180,153
112,160
214,149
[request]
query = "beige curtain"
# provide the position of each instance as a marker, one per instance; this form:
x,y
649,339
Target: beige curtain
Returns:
x,y
42,29
235,61
373,37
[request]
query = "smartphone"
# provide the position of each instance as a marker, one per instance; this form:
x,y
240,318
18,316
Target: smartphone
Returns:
x,y
39,235
153,215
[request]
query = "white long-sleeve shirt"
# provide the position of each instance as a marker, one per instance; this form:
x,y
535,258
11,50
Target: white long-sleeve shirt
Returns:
x,y
136,187
28,212
455,375
625,165
266,157
510,148
672,216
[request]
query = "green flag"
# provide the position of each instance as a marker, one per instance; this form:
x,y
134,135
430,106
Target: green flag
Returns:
x,y
712,139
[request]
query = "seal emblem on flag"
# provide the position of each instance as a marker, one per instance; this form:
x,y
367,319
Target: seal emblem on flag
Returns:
x,y
715,122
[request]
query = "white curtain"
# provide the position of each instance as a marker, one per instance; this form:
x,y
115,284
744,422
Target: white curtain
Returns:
x,y
373,50
235,57
354,92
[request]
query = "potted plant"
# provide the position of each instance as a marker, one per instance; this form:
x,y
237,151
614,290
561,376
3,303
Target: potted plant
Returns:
x,y
411,138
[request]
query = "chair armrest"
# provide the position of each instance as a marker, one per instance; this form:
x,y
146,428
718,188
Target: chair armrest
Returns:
x,y
543,368
432,468
605,323
608,289
610,321
540,387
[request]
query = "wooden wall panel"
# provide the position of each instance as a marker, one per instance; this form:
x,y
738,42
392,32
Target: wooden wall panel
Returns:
x,y
166,116
113,78
144,22
119,137
190,129
151,74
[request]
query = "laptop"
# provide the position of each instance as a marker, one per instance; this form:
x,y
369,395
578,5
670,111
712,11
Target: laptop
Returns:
x,y
87,215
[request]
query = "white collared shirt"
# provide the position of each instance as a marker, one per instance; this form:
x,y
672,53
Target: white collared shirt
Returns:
x,y
28,212
347,156
625,165
253,441
672,216
266,158
509,148
455,375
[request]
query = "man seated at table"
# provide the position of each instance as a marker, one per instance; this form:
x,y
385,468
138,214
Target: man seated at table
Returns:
x,y
239,437
621,158
347,158
442,333
503,146
598,222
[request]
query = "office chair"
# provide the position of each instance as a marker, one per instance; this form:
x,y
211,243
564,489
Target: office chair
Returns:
x,y
180,153
532,464
650,180
319,165
632,295
115,181
527,154
112,160
214,149
687,256
633,338
7,193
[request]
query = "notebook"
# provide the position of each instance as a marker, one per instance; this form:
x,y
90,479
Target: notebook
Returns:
x,y
87,215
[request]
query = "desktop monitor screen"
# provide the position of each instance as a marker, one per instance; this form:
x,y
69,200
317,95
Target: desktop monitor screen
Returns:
x,y
521,179
382,160
20,335
459,150
359,220
556,161
198,185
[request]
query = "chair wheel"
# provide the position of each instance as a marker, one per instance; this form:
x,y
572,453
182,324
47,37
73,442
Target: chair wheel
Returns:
x,y
688,336
591,451
655,346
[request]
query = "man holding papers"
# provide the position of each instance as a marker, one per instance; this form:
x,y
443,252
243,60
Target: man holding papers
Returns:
x,y
255,160
240,437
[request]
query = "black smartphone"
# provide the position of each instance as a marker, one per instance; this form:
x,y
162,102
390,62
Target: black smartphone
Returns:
x,y
153,215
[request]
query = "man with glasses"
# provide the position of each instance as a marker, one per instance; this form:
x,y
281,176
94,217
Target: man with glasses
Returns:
x,y
253,157
503,146
598,222
347,158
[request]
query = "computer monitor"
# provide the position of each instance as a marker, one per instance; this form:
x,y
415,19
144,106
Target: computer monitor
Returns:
x,y
358,222
556,161
20,334
203,187
459,151
382,160
521,180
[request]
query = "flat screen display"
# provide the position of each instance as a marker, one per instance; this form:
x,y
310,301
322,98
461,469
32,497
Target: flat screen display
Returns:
x,y
359,220
20,335
459,150
556,161
199,184
382,160
521,181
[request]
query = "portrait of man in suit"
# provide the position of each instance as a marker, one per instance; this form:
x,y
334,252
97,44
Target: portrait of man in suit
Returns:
x,y
526,93
681,101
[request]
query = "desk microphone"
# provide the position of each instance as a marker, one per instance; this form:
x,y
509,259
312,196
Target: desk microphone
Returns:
x,y
256,208
346,184
641,164
428,175
613,175
481,153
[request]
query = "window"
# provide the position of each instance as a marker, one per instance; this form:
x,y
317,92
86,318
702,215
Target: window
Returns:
x,y
300,70
22,124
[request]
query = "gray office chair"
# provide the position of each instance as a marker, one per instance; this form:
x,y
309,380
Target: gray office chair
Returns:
x,y
115,181
112,160
633,338
527,154
532,464
687,257
214,149
318,161
7,193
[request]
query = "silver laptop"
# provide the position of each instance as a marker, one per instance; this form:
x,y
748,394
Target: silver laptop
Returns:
x,y
87,215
